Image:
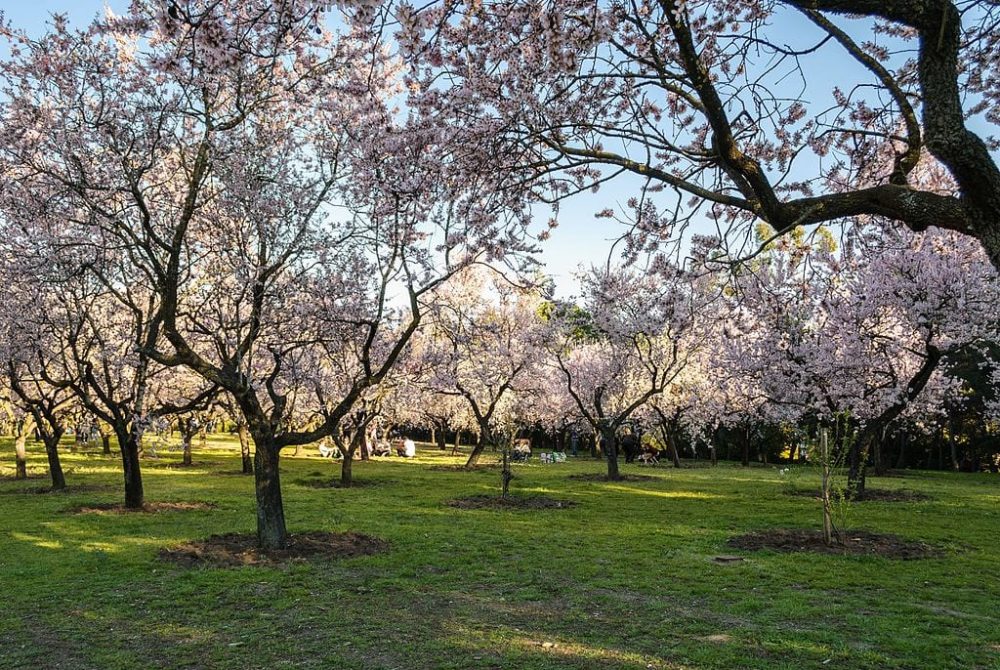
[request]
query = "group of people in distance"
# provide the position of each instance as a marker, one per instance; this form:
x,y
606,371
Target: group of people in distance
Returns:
x,y
403,446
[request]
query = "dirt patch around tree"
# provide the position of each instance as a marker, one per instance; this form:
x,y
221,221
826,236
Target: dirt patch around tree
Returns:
x,y
240,549
598,477
479,467
148,508
69,490
510,502
31,475
335,483
854,543
872,495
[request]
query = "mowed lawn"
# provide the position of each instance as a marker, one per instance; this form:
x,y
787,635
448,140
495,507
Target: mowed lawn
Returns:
x,y
624,579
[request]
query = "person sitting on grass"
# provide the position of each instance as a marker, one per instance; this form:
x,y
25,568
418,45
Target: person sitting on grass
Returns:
x,y
408,449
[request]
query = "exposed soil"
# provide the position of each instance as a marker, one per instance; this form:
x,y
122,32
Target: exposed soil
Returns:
x,y
238,549
31,475
335,483
510,502
598,477
71,489
872,495
479,467
148,508
854,543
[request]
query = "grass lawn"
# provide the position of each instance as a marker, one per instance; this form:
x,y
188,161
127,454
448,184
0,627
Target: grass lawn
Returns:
x,y
623,579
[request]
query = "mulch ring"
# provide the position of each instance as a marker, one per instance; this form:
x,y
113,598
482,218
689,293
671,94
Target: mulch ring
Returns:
x,y
872,495
69,490
854,543
328,483
479,467
239,549
31,475
510,502
148,508
598,477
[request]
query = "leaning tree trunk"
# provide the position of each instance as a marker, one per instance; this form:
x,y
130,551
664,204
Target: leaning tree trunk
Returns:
x,y
271,531
20,456
482,439
244,434
55,466
128,442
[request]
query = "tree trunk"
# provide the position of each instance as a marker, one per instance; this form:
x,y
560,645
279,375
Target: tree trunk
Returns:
x,y
346,474
479,448
505,475
244,435
106,444
21,456
880,465
188,430
442,441
271,532
365,452
454,450
55,467
827,507
128,442
901,461
857,458
745,457
671,442
433,433
952,446
611,452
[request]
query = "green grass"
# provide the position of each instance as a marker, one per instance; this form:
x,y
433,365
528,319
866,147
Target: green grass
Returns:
x,y
622,580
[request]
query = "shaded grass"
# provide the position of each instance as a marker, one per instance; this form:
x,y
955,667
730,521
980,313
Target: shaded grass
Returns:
x,y
624,579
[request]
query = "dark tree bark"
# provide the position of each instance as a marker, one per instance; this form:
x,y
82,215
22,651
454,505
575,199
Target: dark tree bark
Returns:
x,y
346,472
477,450
51,441
609,433
128,442
874,429
271,530
189,428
